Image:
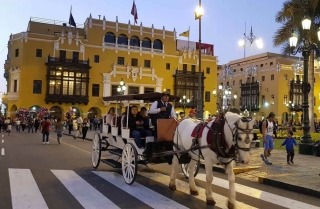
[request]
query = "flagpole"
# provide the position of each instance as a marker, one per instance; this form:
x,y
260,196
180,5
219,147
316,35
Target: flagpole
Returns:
x,y
69,17
134,20
188,37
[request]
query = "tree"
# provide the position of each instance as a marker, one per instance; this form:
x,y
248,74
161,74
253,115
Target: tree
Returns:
x,y
291,16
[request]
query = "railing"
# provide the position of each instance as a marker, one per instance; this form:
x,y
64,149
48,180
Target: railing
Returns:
x,y
181,72
247,107
67,99
135,48
52,22
67,61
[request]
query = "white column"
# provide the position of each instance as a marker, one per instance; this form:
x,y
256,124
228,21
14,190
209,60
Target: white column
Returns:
x,y
141,90
152,47
106,85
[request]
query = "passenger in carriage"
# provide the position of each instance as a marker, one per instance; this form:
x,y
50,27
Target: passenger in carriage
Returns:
x,y
145,118
110,115
161,109
136,125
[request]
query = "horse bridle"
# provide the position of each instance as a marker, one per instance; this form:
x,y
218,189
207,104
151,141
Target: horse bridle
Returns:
x,y
245,131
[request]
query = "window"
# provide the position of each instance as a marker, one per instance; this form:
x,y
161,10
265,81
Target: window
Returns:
x,y
15,85
208,70
263,78
207,96
272,77
240,82
17,53
271,63
227,83
286,77
148,90
37,85
263,99
120,60
233,82
167,66
95,90
75,56
272,99
193,68
114,90
185,68
63,54
134,62
133,90
285,99
38,52
147,64
252,79
96,58
261,65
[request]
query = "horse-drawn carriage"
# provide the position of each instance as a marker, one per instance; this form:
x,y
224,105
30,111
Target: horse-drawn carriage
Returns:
x,y
183,143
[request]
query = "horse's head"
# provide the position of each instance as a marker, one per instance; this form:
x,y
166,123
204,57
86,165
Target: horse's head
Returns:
x,y
241,133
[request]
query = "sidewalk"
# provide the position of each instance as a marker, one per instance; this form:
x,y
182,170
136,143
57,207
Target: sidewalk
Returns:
x,y
302,176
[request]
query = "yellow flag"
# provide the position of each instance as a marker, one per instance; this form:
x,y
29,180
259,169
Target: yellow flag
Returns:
x,y
184,34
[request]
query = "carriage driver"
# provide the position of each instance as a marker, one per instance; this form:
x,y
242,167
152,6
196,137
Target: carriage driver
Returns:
x,y
161,109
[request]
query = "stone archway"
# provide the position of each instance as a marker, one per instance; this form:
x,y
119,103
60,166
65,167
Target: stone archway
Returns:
x,y
77,111
33,110
94,111
13,110
55,112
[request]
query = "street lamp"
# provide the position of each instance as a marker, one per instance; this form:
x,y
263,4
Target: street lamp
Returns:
x,y
225,94
184,102
251,38
306,145
198,16
251,71
121,88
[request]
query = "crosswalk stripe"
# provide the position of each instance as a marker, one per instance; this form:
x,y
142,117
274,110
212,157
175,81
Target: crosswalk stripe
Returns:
x,y
184,188
25,192
144,194
86,195
259,194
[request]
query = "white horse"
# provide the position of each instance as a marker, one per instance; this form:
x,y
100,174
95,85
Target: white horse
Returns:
x,y
238,132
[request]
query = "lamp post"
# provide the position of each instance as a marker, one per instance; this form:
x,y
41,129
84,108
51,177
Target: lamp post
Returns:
x,y
251,38
306,145
184,101
121,89
225,95
251,71
198,16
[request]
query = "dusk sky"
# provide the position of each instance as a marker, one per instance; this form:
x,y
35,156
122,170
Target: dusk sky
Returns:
x,y
222,24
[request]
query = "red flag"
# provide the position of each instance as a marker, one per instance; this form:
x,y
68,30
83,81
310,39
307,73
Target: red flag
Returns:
x,y
134,12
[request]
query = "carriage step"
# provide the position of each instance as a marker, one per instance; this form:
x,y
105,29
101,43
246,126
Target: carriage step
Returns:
x,y
117,152
112,163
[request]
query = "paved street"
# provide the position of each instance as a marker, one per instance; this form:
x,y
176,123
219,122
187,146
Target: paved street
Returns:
x,y
33,175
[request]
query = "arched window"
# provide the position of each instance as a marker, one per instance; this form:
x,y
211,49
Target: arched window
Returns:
x,y
157,44
146,43
123,39
134,41
110,38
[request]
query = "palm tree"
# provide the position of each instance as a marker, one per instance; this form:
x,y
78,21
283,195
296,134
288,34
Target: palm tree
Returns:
x,y
290,16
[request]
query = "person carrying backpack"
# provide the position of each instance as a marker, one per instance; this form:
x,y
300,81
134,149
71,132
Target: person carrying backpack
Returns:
x,y
266,129
95,123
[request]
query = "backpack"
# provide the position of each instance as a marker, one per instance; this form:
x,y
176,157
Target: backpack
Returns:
x,y
260,125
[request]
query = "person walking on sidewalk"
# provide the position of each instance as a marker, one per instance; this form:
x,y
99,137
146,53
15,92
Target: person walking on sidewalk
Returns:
x,y
30,124
85,127
45,128
8,125
36,124
18,125
267,132
59,129
79,126
289,142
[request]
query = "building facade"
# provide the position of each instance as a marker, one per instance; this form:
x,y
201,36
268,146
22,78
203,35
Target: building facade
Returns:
x,y
59,67
268,82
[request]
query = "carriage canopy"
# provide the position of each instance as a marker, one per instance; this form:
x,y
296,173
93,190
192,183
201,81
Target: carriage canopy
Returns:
x,y
148,97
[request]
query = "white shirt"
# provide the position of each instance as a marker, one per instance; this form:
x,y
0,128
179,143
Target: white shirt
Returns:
x,y
155,110
79,120
109,119
269,129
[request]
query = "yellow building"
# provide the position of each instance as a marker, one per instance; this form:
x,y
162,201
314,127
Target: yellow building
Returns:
x,y
59,67
275,86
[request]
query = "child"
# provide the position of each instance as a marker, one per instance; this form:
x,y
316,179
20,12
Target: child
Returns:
x,y
59,129
289,142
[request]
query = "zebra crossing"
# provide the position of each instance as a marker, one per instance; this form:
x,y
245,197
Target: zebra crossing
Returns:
x,y
106,189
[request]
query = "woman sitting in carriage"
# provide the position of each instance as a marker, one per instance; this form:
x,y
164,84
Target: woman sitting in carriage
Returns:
x,y
136,125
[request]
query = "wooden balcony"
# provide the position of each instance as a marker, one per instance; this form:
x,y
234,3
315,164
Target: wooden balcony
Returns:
x,y
254,108
73,99
56,61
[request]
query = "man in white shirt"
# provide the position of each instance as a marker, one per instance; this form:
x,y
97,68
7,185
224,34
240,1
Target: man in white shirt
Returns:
x,y
79,126
161,109
267,134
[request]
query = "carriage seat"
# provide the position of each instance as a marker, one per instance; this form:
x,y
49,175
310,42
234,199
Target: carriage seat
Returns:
x,y
116,122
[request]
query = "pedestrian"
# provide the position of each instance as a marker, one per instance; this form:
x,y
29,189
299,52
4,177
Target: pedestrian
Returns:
x,y
18,124
95,123
59,126
85,127
36,124
289,142
79,126
45,129
267,132
9,126
70,125
30,124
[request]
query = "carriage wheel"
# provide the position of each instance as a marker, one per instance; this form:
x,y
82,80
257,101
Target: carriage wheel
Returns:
x,y
185,169
129,163
96,150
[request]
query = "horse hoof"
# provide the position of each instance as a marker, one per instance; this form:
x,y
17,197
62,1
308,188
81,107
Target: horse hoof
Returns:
x,y
172,188
211,202
194,192
230,205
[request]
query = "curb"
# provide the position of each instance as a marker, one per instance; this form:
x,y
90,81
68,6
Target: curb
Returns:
x,y
289,187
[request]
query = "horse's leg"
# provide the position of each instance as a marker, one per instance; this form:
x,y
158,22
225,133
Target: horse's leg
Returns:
x,y
192,184
209,179
174,172
232,190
